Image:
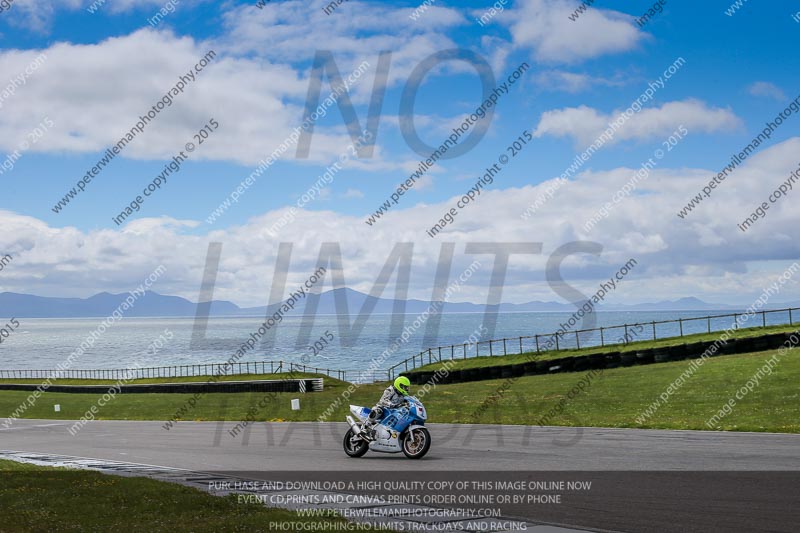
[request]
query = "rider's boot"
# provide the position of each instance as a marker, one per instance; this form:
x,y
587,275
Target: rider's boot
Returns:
x,y
367,432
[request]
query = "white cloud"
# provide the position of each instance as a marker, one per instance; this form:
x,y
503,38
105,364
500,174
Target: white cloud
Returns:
x,y
573,82
38,16
544,27
425,182
264,57
767,89
705,255
584,124
358,31
353,193
94,99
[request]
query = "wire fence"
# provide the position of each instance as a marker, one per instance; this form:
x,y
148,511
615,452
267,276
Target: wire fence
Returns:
x,y
584,338
596,337
203,369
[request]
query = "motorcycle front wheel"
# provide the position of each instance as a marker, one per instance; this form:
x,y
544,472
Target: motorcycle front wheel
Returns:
x,y
417,446
354,449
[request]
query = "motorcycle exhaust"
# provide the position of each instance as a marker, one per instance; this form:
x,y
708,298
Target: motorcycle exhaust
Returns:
x,y
353,424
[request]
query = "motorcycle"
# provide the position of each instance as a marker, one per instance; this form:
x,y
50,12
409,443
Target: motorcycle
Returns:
x,y
400,430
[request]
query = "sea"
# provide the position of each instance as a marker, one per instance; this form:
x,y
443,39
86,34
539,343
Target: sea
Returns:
x,y
330,342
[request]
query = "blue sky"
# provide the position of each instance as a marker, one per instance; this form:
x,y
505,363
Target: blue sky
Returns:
x,y
103,69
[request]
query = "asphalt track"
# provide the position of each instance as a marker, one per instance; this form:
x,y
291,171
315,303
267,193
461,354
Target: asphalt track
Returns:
x,y
642,480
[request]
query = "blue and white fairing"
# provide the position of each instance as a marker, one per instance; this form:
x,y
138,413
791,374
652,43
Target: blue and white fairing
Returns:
x,y
362,413
394,422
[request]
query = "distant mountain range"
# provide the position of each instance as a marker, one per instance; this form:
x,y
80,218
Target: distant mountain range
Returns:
x,y
154,304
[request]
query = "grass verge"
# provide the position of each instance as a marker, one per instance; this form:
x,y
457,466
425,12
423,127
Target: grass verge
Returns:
x,y
502,360
38,498
614,399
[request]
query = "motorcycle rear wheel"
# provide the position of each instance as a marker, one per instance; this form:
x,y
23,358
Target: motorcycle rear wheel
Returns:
x,y
419,446
356,449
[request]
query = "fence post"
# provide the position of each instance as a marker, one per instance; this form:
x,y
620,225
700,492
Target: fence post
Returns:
x,y
490,348
504,347
520,345
790,317
537,343
557,348
440,354
709,323
626,334
577,340
680,323
430,356
465,351
602,339
764,318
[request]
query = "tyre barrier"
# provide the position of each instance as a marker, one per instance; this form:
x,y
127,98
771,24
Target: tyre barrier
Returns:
x,y
451,376
696,349
731,346
419,378
761,344
776,340
542,367
645,357
597,361
471,374
661,355
610,360
679,352
745,345
284,385
530,368
567,364
790,338
581,363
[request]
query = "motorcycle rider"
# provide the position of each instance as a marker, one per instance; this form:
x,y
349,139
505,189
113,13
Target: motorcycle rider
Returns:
x,y
393,396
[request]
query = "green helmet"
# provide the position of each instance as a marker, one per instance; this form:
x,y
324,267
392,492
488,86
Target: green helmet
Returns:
x,y
402,384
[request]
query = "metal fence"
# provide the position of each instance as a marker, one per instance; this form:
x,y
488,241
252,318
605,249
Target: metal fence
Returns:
x,y
203,369
595,337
